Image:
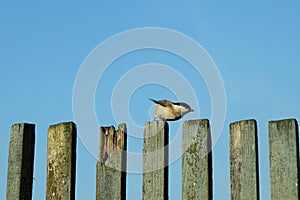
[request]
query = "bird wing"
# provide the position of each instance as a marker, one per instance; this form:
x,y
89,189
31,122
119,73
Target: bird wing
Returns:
x,y
164,103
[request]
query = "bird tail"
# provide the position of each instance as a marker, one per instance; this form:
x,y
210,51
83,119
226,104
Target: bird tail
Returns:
x,y
154,101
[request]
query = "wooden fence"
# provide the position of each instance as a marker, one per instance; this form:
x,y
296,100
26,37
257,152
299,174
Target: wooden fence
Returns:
x,y
196,161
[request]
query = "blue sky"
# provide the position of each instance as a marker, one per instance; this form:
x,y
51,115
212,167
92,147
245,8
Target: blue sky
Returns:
x,y
254,44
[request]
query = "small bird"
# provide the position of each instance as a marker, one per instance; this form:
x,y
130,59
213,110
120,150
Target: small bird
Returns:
x,y
170,111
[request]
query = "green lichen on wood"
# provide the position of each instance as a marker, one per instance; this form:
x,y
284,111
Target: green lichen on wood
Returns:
x,y
61,163
284,159
20,162
244,160
196,160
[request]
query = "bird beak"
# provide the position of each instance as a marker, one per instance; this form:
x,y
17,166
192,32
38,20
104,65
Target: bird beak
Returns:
x,y
191,110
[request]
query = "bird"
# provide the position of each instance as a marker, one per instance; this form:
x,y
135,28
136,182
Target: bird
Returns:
x,y
170,111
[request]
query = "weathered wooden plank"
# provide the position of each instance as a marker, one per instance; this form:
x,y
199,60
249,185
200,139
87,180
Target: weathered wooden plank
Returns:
x,y
155,160
196,160
284,159
61,164
111,167
20,162
244,177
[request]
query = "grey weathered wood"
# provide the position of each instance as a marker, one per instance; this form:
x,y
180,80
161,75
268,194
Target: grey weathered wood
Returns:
x,y
196,160
244,178
111,167
284,159
20,162
61,163
155,160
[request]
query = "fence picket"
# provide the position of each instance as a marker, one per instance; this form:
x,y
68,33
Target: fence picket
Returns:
x,y
155,156
20,162
111,165
61,163
284,159
244,178
196,160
